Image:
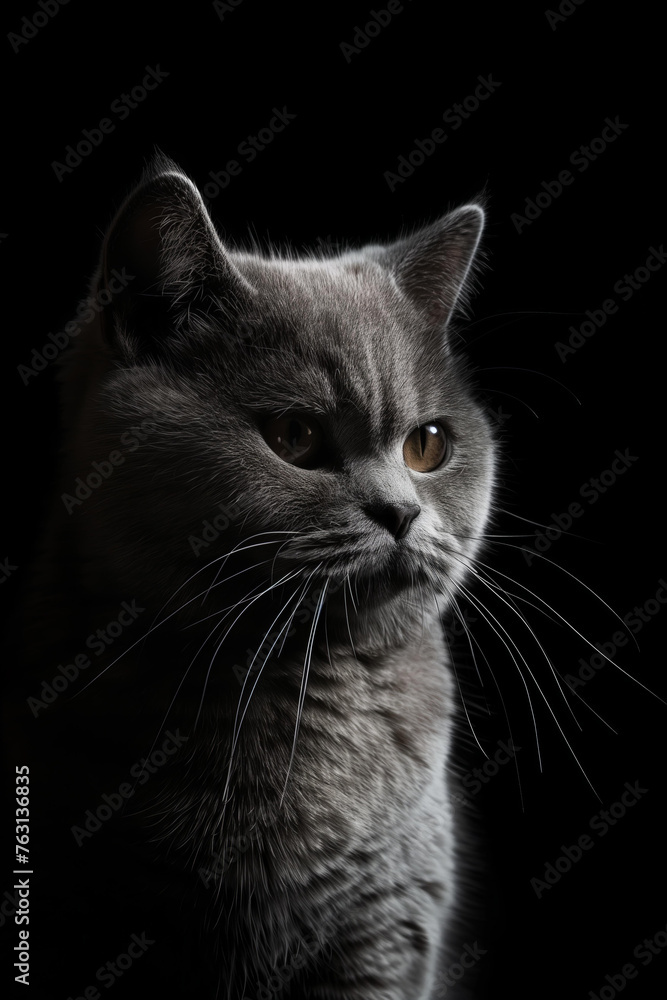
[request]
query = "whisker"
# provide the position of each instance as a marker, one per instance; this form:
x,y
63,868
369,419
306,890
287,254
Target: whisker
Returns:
x,y
570,626
297,605
523,621
509,395
238,730
244,548
351,596
349,632
483,611
546,701
153,627
518,314
180,685
212,562
458,684
231,607
421,596
471,639
524,600
304,680
531,371
590,707
464,624
273,564
288,576
285,628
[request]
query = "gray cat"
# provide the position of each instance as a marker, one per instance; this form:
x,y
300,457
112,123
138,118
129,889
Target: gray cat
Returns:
x,y
274,479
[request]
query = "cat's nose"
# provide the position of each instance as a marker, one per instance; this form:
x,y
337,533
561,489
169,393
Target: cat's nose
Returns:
x,y
395,517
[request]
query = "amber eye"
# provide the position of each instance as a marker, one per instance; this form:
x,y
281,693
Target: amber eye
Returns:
x,y
295,439
425,448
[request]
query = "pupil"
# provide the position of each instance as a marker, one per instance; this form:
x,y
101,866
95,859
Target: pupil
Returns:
x,y
294,431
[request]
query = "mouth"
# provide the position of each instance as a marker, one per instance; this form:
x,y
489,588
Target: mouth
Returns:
x,y
394,571
381,569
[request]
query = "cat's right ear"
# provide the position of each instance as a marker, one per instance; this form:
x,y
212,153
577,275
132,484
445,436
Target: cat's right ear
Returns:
x,y
164,270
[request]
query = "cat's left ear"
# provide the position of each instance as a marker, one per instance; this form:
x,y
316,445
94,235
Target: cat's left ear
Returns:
x,y
433,266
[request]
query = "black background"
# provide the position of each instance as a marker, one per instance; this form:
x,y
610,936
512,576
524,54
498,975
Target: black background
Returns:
x,y
560,423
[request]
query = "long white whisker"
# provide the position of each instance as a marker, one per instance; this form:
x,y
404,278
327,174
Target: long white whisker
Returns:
x,y
483,611
236,731
310,575
153,627
349,632
285,579
304,681
458,684
464,624
471,639
224,556
226,611
283,544
531,371
546,701
580,582
590,708
570,626
244,548
523,621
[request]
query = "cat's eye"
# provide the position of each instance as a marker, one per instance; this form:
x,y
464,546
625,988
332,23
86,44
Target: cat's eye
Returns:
x,y
296,439
425,449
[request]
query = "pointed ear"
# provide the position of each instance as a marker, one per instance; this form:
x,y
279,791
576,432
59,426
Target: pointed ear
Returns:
x,y
433,266
173,271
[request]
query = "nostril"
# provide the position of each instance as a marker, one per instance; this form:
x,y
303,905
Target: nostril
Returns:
x,y
396,518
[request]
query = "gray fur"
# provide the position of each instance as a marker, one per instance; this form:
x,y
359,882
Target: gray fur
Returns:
x,y
351,837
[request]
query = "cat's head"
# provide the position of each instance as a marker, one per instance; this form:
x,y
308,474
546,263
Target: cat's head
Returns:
x,y
317,399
